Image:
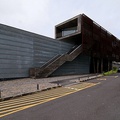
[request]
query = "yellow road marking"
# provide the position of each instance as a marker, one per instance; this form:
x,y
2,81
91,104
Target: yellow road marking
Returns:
x,y
25,107
100,75
21,108
101,79
86,85
15,105
38,96
116,76
30,101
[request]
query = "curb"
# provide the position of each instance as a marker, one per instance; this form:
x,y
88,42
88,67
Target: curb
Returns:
x,y
80,79
25,94
90,78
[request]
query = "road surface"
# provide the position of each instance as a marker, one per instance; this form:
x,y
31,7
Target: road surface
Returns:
x,y
97,99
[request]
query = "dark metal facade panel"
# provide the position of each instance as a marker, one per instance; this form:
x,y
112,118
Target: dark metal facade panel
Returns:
x,y
14,57
102,43
18,39
13,75
46,49
81,65
21,50
16,53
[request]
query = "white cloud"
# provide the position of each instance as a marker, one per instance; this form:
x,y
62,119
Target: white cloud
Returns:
x,y
25,14
40,16
8,7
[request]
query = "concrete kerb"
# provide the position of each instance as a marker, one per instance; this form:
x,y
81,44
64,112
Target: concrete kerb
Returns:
x,y
24,94
39,88
85,78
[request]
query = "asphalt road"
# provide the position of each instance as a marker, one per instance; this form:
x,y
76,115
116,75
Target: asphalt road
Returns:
x,y
100,102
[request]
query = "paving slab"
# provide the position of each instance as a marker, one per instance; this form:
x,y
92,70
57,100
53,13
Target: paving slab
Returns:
x,y
17,87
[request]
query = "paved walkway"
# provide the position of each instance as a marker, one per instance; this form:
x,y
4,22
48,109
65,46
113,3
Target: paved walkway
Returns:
x,y
12,88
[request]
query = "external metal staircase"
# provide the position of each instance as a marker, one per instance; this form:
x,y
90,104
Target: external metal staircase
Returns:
x,y
55,63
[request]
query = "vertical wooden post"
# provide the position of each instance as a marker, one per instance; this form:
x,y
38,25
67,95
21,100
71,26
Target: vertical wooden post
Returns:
x,y
94,65
97,65
38,87
101,65
109,66
0,94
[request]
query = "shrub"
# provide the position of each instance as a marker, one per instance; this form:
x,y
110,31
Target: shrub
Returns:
x,y
115,68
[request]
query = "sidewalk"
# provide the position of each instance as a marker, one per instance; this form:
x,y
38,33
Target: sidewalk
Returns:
x,y
18,87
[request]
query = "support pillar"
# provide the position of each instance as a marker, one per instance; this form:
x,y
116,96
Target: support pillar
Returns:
x,y
97,65
101,65
79,23
94,65
109,65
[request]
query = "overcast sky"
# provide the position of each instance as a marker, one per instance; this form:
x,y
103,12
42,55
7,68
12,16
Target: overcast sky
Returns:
x,y
40,16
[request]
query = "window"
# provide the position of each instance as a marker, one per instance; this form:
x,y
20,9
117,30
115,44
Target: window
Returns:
x,y
68,31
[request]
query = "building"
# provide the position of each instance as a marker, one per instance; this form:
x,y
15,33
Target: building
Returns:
x,y
100,45
81,46
21,50
116,64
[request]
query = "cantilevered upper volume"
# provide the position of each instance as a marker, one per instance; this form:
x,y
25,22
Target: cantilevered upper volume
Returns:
x,y
69,29
96,40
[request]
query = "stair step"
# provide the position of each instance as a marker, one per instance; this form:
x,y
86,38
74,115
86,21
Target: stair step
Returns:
x,y
55,63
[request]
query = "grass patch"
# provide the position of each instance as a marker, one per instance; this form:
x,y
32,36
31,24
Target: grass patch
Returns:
x,y
111,72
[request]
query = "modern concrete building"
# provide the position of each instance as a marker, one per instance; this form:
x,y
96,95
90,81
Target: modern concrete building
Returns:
x,y
81,46
100,45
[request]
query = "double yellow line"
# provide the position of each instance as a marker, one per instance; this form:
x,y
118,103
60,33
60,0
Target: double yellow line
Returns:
x,y
18,104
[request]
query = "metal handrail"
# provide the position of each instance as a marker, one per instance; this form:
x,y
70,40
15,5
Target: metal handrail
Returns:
x,y
75,49
56,59
51,60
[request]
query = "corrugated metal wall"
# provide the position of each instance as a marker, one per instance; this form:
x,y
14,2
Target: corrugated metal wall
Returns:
x,y
45,49
78,66
16,53
21,50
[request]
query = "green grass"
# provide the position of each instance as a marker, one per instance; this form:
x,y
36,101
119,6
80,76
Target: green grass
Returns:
x,y
110,72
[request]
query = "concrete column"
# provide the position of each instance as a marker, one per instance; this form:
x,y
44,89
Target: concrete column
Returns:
x,y
101,65
79,23
97,65
109,66
94,65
